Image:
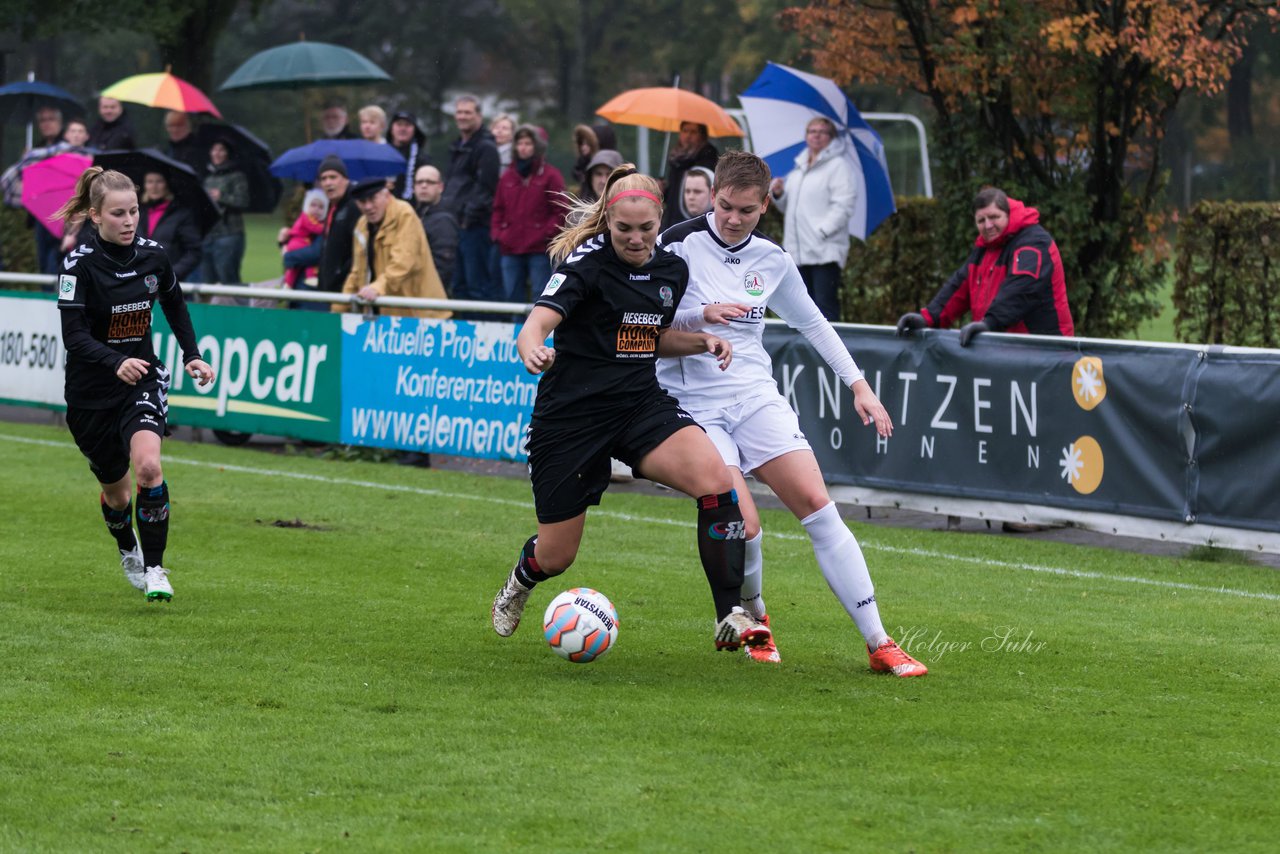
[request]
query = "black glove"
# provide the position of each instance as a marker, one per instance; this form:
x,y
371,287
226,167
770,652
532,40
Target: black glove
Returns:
x,y
910,322
970,330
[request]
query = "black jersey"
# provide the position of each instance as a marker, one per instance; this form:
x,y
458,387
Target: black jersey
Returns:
x,y
106,293
607,343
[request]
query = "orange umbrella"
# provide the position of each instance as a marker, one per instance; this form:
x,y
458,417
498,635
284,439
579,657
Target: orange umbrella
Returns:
x,y
161,90
665,107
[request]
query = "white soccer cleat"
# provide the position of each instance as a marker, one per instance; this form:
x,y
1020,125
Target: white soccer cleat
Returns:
x,y
157,584
738,628
131,563
508,606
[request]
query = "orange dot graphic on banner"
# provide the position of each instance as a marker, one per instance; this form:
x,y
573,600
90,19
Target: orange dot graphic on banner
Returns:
x,y
1082,465
1087,383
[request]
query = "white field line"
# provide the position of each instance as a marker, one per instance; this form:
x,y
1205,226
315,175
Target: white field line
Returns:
x,y
438,493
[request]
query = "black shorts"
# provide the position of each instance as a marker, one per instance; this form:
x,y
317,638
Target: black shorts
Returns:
x,y
103,435
569,466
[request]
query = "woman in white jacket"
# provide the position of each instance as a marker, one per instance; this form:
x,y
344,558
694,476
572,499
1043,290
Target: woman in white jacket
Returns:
x,y
818,198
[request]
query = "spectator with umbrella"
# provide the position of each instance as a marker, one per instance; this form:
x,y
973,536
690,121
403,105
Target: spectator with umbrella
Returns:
x,y
692,149
163,218
332,255
113,130
48,127
227,185
183,145
333,122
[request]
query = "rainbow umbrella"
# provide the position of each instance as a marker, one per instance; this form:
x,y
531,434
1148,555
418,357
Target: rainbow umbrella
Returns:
x,y
47,185
161,90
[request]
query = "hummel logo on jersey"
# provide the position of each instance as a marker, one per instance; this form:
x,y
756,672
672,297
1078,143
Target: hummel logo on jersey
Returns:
x,y
639,277
128,274
729,259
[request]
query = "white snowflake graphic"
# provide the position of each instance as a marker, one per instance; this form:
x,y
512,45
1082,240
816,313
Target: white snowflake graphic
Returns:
x,y
1072,463
1088,383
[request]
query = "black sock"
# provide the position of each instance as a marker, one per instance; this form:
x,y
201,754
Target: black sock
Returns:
x,y
153,522
527,571
120,524
722,546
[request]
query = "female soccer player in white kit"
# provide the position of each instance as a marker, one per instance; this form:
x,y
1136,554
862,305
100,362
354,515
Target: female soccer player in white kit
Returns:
x,y
735,273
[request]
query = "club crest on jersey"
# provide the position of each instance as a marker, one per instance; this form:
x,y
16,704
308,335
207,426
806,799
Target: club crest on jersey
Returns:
x,y
553,284
66,287
152,284
665,293
753,282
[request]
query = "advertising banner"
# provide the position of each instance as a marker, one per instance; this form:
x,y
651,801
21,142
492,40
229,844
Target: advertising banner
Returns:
x,y
279,372
436,386
31,356
1110,428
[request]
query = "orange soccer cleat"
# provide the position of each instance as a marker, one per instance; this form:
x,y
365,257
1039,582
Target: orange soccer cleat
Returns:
x,y
889,658
766,652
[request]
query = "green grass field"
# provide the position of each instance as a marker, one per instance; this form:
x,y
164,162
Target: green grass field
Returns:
x,y
338,687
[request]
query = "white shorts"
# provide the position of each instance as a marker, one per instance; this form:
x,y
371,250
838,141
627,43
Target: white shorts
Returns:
x,y
754,431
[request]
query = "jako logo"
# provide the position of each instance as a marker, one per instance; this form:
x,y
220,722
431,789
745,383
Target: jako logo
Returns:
x,y
728,531
866,602
728,259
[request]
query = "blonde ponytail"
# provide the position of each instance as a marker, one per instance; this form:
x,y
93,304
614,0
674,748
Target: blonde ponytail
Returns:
x,y
91,188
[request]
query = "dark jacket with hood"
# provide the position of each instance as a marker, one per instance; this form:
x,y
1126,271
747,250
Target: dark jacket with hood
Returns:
x,y
472,179
1012,284
414,153
528,208
677,164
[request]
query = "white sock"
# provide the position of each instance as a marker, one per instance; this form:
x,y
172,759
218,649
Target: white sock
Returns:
x,y
753,577
845,569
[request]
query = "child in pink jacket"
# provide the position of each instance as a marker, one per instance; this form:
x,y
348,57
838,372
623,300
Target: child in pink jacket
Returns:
x,y
305,230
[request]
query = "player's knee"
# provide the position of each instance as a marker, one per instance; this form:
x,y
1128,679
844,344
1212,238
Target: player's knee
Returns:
x,y
148,472
753,528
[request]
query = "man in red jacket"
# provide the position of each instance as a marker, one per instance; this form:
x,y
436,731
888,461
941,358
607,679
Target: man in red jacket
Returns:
x,y
1011,282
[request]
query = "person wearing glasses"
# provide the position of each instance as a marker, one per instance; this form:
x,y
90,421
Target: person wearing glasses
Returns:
x,y
438,221
817,199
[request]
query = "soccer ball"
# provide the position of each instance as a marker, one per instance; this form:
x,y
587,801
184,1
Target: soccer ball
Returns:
x,y
581,625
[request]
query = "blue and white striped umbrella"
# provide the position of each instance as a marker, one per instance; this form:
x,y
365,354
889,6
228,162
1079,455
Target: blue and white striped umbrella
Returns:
x,y
782,101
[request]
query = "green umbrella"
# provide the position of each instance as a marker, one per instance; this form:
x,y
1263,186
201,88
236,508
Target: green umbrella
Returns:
x,y
301,65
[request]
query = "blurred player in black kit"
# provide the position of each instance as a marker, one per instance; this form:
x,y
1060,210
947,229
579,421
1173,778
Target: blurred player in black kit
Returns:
x,y
116,387
610,304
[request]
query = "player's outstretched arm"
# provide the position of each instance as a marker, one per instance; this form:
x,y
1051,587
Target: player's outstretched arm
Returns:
x,y
673,342
532,340
870,409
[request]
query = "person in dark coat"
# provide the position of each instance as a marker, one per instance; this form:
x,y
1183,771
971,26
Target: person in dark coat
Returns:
x,y
183,146
165,220
113,130
470,181
693,149
333,122
331,256
438,222
410,141
1011,282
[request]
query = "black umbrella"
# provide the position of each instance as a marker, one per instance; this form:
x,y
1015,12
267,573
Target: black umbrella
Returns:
x,y
184,183
253,156
19,101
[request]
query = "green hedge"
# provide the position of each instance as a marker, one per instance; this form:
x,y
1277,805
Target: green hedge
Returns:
x,y
1227,278
899,269
17,242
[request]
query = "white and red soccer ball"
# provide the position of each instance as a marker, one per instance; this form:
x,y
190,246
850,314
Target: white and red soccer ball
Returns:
x,y
581,625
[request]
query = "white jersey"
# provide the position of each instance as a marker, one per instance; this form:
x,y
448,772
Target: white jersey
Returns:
x,y
756,273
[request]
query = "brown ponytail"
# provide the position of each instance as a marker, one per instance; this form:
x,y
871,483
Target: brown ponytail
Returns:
x,y
588,218
92,187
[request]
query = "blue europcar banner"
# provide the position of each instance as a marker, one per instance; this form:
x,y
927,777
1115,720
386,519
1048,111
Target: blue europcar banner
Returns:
x,y
436,386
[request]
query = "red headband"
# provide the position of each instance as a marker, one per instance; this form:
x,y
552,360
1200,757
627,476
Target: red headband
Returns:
x,y
644,194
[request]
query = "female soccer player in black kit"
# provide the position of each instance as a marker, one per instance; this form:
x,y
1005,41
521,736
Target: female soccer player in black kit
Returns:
x,y
116,389
610,304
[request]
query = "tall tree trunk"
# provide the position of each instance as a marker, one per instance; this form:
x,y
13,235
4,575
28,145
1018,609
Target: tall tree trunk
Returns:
x,y
188,48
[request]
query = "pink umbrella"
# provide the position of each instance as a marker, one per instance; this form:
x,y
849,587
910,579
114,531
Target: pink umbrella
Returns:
x,y
47,185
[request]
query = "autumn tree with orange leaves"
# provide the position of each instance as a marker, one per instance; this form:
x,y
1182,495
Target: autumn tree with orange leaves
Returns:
x,y
1061,102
